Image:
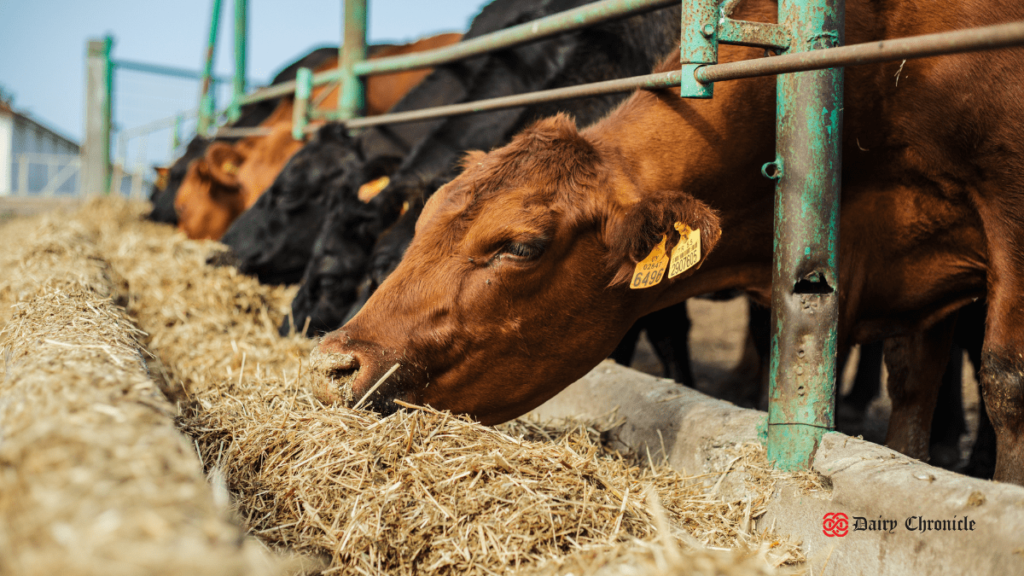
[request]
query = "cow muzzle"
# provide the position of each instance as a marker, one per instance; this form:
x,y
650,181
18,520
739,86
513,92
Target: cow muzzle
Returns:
x,y
359,374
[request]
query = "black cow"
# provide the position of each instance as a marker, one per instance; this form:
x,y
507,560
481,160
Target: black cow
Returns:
x,y
274,239
613,50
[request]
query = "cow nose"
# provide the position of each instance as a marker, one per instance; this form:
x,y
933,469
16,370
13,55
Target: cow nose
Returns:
x,y
335,368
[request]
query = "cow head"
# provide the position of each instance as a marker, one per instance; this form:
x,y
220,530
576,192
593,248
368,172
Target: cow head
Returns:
x,y
163,198
351,245
205,204
274,238
517,280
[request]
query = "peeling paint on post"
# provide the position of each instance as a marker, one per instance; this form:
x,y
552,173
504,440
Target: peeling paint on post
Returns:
x,y
805,272
698,45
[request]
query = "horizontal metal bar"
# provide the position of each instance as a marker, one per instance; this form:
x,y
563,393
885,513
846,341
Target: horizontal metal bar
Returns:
x,y
756,34
242,132
985,38
167,122
648,82
166,70
568,21
46,158
546,27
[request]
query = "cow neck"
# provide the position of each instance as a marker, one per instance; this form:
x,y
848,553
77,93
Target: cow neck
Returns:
x,y
659,141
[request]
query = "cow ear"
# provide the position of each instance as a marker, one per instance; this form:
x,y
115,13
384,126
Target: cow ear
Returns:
x,y
224,160
634,234
162,174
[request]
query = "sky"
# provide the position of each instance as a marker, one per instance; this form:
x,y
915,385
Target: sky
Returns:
x,y
42,47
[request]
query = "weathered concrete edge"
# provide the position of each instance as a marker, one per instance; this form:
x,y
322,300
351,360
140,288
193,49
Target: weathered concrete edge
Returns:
x,y
868,481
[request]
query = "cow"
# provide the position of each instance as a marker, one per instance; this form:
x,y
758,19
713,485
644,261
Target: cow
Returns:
x,y
275,244
518,280
251,115
612,50
247,168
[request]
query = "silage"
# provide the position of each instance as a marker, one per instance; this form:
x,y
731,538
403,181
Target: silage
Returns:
x,y
94,477
418,491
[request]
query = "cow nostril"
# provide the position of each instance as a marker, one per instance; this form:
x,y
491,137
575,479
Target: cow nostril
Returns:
x,y
333,375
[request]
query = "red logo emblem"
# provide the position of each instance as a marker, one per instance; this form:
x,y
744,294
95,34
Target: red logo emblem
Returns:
x,y
835,524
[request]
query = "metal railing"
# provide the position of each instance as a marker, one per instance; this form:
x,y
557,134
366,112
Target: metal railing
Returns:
x,y
97,166
46,175
810,72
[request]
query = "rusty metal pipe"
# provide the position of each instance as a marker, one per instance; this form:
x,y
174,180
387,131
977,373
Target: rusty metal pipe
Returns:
x,y
1002,36
651,81
805,268
974,39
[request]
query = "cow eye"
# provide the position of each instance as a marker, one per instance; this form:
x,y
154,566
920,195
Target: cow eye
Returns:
x,y
523,250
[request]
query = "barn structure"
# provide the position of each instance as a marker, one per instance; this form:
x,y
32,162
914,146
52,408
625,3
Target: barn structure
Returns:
x,y
34,158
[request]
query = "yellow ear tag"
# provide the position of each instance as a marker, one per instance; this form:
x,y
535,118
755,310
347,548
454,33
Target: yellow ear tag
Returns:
x,y
686,252
651,270
369,190
229,168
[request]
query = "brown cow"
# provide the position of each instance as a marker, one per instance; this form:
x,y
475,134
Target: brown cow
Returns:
x,y
231,177
516,283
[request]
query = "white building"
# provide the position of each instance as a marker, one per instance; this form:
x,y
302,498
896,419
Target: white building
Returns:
x,y
34,159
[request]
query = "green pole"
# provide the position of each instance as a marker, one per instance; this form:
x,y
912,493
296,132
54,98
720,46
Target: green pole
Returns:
x,y
698,46
108,108
352,99
207,94
300,112
176,133
805,276
238,86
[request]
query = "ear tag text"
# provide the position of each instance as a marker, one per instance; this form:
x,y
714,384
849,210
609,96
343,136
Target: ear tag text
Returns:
x,y
686,252
651,270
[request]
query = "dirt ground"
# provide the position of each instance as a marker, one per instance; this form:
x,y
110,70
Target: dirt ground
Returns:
x,y
716,345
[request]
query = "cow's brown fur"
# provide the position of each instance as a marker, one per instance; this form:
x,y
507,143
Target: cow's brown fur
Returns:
x,y
932,217
241,172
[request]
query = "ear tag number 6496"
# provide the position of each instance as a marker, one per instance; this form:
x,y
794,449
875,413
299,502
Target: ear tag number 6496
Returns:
x,y
651,270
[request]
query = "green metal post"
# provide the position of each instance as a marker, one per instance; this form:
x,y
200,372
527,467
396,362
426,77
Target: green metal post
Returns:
x,y
300,112
238,86
352,98
807,168
698,45
108,107
207,94
176,134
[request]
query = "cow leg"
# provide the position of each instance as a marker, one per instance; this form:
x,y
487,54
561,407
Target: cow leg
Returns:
x,y
916,364
760,327
868,381
1002,376
970,335
669,333
948,421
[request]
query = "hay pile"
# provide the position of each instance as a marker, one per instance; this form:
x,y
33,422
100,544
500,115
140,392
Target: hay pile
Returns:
x,y
94,478
419,491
